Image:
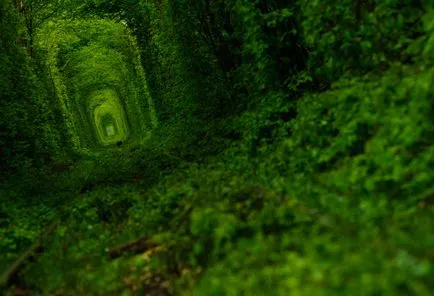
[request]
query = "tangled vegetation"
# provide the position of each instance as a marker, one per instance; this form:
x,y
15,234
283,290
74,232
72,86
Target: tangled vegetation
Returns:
x,y
225,147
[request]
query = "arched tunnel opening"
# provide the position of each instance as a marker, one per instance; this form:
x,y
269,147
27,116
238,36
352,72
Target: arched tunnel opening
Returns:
x,y
216,147
109,118
99,74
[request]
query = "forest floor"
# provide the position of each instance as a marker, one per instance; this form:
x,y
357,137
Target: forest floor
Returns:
x,y
339,201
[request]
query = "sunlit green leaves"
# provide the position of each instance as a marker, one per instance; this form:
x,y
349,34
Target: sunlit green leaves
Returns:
x,y
92,55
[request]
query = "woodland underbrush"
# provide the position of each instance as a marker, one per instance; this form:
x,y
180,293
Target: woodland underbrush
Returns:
x,y
335,201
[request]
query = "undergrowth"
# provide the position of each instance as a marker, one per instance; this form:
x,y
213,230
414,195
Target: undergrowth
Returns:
x,y
338,202
290,151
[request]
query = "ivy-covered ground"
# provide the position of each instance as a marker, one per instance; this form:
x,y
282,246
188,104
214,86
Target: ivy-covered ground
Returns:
x,y
268,148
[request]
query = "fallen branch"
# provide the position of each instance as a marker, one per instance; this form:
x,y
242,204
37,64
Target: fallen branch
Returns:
x,y
12,272
143,244
21,262
137,246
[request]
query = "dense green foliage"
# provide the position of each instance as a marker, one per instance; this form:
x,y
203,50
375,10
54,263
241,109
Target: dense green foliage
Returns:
x,y
25,99
219,147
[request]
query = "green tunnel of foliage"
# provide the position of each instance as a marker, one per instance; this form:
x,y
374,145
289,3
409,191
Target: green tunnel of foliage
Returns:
x,y
108,117
268,147
96,68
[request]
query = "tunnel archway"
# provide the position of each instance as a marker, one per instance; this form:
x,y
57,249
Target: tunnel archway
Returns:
x,y
98,74
109,118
